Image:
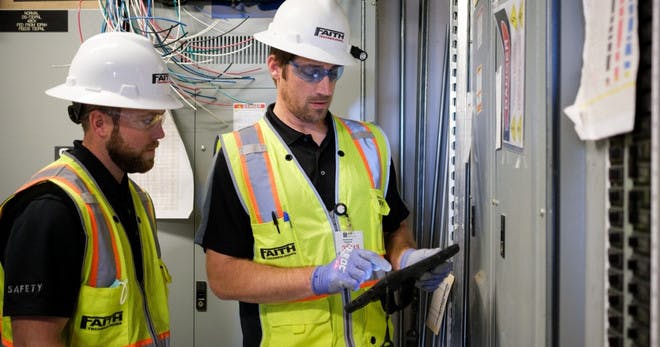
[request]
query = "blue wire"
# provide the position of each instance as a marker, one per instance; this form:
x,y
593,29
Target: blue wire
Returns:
x,y
115,15
160,18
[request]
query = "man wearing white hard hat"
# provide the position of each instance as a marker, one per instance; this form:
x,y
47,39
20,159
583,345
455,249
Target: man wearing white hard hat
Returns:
x,y
80,255
302,208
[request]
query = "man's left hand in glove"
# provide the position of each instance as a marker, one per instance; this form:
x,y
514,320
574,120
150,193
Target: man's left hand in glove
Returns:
x,y
430,280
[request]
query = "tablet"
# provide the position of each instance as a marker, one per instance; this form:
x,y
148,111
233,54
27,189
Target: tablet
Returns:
x,y
393,280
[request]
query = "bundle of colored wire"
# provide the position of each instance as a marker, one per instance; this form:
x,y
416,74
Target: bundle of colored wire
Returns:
x,y
189,56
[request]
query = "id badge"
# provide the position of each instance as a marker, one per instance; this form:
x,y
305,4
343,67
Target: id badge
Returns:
x,y
345,239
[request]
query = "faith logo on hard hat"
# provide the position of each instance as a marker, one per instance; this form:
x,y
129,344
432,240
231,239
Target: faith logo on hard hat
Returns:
x,y
329,34
159,78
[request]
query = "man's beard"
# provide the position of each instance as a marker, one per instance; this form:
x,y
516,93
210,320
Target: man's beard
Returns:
x,y
304,112
127,160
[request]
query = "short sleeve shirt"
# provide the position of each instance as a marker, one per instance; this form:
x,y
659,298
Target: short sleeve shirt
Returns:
x,y
42,242
227,227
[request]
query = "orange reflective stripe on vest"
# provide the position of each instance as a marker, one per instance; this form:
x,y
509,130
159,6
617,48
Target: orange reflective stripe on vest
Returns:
x,y
260,183
104,245
367,146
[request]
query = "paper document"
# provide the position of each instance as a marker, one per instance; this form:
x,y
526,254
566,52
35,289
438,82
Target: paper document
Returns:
x,y
170,182
438,304
247,114
605,102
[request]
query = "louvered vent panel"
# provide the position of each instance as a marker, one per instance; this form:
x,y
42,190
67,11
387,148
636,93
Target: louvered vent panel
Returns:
x,y
227,49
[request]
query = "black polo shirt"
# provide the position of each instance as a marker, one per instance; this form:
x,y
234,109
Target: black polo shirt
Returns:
x,y
227,229
42,242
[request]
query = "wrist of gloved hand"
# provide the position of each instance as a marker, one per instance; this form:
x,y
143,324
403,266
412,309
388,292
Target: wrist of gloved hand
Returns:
x,y
430,280
350,269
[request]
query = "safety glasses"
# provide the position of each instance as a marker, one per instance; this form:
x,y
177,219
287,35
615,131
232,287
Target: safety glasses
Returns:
x,y
143,121
315,73
146,121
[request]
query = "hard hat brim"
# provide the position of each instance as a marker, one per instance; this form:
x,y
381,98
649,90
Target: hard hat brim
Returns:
x,y
105,98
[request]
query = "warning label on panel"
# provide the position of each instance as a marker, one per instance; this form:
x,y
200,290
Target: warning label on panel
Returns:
x,y
34,21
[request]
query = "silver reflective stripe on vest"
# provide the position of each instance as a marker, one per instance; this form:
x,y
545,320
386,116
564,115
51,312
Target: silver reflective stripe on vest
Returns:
x,y
364,138
253,148
149,208
258,173
106,271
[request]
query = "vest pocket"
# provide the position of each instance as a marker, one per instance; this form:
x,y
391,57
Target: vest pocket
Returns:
x,y
275,244
297,324
100,318
167,278
370,324
381,208
378,203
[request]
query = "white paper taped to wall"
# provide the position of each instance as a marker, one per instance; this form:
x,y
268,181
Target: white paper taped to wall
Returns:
x,y
170,182
605,102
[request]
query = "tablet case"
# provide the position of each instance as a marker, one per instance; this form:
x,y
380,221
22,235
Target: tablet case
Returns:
x,y
394,280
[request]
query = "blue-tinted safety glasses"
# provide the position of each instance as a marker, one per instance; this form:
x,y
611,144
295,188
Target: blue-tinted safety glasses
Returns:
x,y
315,73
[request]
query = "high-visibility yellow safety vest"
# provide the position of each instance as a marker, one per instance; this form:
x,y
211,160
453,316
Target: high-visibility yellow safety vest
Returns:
x,y
113,309
270,182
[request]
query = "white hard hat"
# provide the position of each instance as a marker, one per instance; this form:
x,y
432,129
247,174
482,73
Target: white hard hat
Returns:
x,y
118,69
314,29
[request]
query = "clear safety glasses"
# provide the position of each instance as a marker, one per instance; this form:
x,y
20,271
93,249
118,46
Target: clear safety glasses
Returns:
x,y
144,121
315,73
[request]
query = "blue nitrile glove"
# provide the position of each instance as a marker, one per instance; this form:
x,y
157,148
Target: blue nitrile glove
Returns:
x,y
348,270
430,280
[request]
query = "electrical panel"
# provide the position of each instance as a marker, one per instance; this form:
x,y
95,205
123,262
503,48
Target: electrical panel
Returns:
x,y
629,275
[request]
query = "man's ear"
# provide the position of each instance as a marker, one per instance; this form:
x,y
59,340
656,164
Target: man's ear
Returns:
x,y
100,123
274,68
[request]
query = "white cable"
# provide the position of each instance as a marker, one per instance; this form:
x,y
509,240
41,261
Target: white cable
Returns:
x,y
208,28
183,98
213,115
104,14
205,30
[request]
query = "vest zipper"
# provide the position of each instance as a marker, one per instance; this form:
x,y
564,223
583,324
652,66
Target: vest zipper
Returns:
x,y
150,324
348,319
